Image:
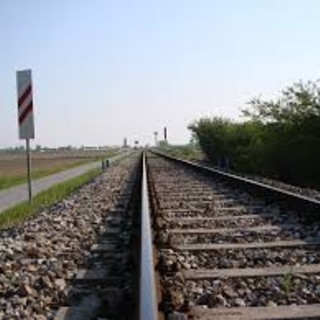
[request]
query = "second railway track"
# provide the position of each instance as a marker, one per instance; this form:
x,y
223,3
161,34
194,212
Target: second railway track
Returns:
x,y
223,253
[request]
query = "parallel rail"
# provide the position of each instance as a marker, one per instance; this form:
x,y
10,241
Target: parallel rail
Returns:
x,y
270,193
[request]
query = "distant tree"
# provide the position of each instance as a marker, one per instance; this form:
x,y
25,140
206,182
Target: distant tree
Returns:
x,y
194,142
19,148
296,103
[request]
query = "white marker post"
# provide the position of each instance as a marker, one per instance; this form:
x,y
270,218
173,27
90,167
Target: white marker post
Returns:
x,y
25,116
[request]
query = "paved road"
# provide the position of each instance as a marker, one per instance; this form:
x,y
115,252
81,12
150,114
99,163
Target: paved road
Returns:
x,y
15,195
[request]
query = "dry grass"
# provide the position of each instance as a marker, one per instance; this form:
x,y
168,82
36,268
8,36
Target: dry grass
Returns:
x,y
17,167
13,168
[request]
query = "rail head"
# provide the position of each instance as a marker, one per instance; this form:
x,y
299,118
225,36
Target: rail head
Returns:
x,y
293,200
148,300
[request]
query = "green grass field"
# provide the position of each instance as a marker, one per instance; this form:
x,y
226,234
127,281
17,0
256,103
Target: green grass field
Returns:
x,y
44,199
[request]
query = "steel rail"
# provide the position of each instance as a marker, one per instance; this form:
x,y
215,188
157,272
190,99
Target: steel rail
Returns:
x,y
291,200
148,302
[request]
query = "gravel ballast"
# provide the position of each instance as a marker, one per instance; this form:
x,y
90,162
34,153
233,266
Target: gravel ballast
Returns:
x,y
39,258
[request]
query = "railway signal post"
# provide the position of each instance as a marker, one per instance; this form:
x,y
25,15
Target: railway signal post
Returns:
x,y
25,117
165,134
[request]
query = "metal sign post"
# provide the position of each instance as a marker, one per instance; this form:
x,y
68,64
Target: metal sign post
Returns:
x,y
25,117
29,169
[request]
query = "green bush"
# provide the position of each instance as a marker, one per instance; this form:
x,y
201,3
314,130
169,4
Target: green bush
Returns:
x,y
280,138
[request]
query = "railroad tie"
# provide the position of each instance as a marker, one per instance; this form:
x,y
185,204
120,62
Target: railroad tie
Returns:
x,y
257,313
250,272
231,230
251,245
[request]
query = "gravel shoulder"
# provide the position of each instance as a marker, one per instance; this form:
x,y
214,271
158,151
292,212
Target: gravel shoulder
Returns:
x,y
39,259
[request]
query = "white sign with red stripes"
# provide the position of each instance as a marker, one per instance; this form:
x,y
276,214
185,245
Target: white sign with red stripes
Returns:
x,y
25,105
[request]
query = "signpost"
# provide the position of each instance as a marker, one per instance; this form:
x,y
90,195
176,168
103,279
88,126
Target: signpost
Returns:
x,y
25,116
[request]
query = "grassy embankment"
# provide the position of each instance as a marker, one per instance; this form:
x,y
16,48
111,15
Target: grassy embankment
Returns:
x,y
44,199
188,152
16,177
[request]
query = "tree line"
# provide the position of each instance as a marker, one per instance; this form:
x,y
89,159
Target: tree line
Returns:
x,y
279,138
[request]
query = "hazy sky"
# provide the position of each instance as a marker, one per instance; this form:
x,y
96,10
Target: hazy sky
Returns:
x,y
107,69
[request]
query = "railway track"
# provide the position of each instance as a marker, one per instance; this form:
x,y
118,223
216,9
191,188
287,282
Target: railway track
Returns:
x,y
158,238
231,249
